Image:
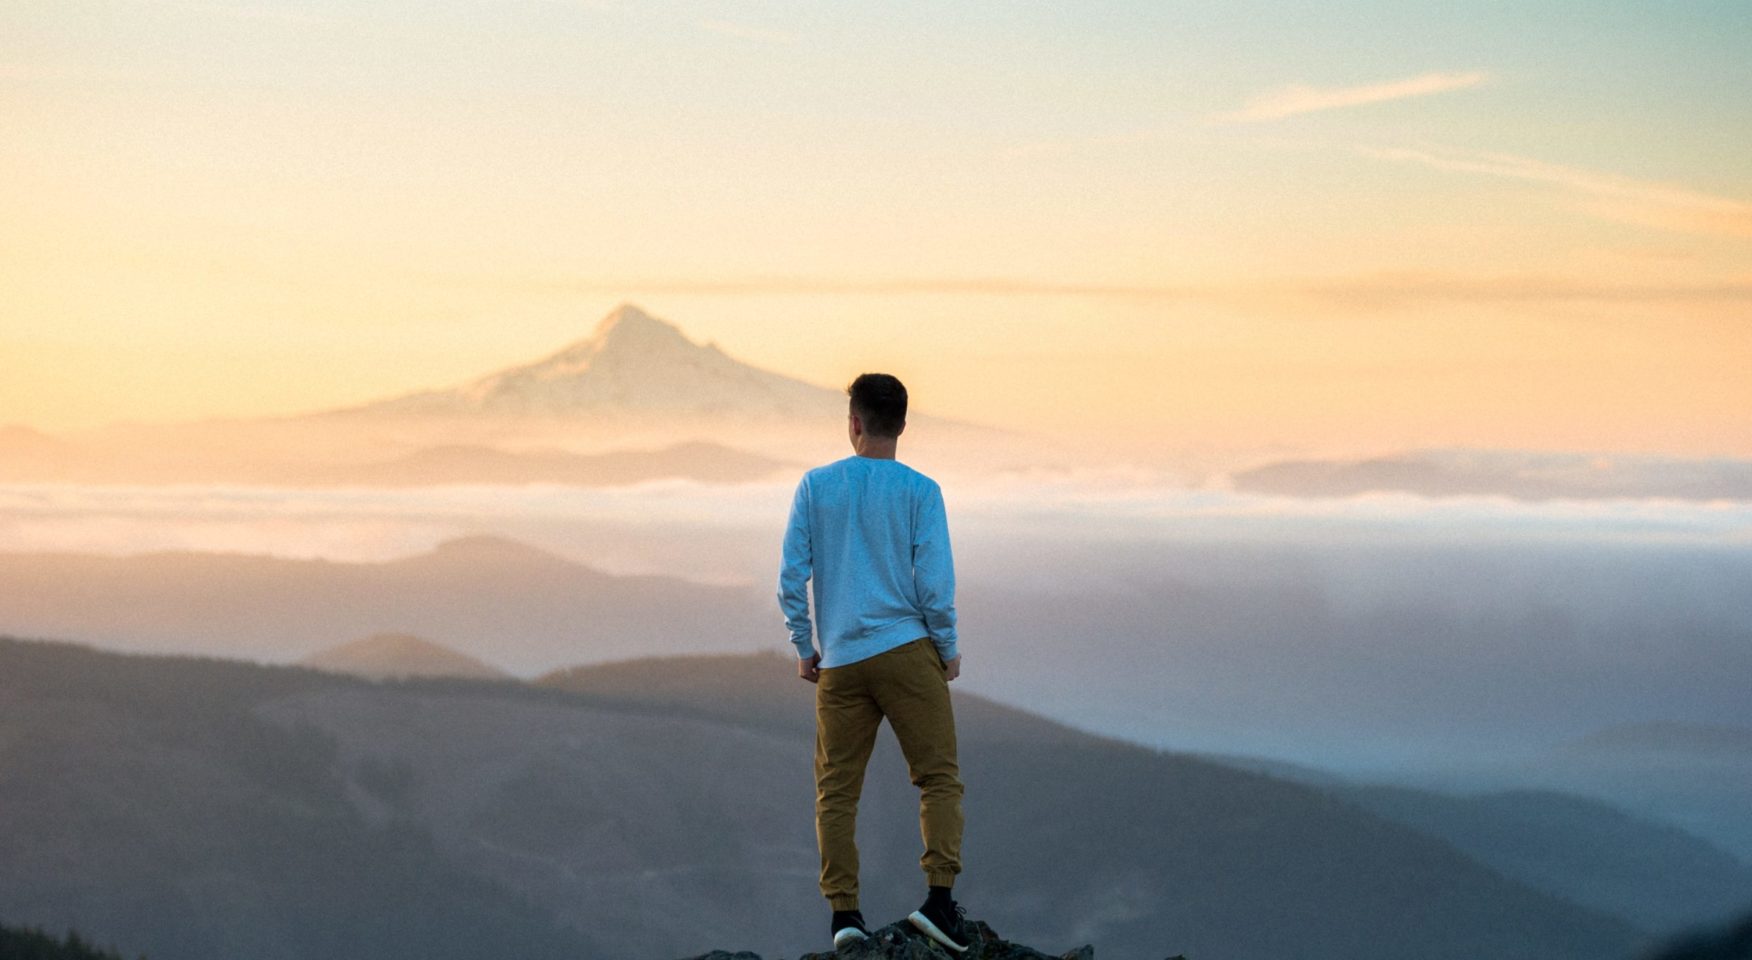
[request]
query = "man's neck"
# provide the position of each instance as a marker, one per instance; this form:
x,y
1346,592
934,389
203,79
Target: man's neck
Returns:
x,y
876,448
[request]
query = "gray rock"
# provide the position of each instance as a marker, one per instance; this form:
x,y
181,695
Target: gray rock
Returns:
x,y
899,941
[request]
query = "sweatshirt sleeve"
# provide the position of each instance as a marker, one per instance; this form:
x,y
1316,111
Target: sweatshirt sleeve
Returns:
x,y
934,570
794,573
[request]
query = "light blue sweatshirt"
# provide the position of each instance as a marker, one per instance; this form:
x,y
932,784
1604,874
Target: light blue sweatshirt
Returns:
x,y
871,533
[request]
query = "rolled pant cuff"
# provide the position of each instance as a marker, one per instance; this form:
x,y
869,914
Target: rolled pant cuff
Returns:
x,y
843,902
939,878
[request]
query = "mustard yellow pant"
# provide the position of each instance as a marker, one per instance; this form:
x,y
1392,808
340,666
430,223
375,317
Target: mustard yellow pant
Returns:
x,y
906,685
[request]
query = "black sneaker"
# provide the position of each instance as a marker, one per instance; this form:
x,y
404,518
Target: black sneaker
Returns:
x,y
943,920
848,926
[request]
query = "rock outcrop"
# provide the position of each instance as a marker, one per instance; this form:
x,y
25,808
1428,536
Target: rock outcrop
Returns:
x,y
899,941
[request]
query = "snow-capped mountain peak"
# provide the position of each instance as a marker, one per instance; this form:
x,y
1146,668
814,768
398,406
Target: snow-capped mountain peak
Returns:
x,y
631,363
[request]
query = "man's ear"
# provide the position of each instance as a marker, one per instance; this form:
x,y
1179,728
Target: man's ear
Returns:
x,y
857,424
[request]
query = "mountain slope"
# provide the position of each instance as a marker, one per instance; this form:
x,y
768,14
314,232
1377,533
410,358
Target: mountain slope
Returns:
x,y
431,803
146,804
1660,878
1640,868
631,364
1692,774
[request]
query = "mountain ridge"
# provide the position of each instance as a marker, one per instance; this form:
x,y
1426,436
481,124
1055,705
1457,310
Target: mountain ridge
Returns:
x,y
518,605
635,399
585,811
1518,474
389,655
631,363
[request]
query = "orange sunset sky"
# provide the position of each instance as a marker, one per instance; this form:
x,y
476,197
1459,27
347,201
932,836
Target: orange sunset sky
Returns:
x,y
1372,227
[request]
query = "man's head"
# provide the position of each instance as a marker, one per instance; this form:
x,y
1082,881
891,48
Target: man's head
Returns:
x,y
878,406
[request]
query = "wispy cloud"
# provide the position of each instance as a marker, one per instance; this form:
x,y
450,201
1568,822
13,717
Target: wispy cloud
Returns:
x,y
1610,196
1290,101
743,31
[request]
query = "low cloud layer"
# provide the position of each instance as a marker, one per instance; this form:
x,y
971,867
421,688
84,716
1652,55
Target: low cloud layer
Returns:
x,y
659,526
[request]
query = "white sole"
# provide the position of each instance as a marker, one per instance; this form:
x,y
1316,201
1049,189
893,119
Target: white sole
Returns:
x,y
848,935
929,929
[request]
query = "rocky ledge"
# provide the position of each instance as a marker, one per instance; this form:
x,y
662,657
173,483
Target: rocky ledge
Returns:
x,y
899,941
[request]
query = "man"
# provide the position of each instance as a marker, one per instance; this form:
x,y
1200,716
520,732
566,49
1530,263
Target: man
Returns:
x,y
871,533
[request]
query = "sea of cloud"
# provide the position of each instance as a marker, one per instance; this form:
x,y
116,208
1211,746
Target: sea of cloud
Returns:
x,y
656,523
1389,624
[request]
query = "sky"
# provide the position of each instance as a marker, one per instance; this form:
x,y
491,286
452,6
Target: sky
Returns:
x,y
1333,228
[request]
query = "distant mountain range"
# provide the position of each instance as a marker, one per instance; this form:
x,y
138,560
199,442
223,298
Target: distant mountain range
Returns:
x,y
1518,474
637,399
1698,776
489,597
1225,648
633,400
1584,850
1658,877
201,809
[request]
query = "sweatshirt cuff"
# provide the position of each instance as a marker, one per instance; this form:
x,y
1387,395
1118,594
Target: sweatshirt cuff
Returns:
x,y
946,648
805,649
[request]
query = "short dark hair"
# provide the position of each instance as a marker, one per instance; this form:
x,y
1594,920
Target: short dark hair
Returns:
x,y
880,401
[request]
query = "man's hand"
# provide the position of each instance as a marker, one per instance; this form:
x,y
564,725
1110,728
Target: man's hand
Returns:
x,y
810,669
952,668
